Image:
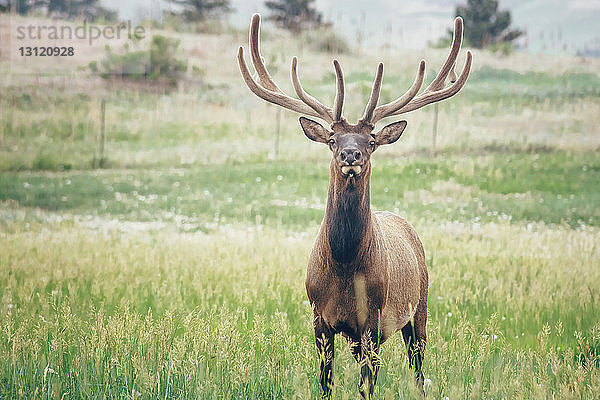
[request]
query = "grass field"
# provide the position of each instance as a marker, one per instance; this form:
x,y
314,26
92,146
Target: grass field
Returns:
x,y
177,271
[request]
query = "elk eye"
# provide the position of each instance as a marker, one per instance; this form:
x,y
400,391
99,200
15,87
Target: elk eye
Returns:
x,y
331,142
372,143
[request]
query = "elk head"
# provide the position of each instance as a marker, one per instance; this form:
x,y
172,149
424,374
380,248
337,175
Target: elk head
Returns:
x,y
353,144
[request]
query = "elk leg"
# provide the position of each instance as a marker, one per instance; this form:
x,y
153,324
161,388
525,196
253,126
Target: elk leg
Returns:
x,y
324,338
415,340
366,354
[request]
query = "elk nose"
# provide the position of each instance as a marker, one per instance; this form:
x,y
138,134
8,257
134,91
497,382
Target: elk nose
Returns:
x,y
350,155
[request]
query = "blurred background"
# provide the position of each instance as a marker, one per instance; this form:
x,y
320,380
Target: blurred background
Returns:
x,y
154,85
156,215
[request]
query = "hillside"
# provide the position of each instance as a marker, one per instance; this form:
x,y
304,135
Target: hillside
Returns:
x,y
518,100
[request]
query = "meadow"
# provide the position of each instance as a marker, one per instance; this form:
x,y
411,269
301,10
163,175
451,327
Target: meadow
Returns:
x,y
177,270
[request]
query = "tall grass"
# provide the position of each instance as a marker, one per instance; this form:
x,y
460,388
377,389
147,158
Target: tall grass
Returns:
x,y
177,271
98,312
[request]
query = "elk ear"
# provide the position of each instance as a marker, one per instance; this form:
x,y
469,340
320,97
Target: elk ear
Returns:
x,y
314,130
390,133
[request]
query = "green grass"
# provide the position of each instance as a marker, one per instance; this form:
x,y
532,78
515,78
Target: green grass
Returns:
x,y
556,188
188,283
494,84
177,270
56,128
513,314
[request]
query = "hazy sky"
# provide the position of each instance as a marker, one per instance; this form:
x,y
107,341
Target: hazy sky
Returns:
x,y
410,23
552,25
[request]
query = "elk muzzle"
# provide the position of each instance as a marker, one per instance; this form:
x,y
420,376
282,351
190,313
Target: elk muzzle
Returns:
x,y
350,155
351,158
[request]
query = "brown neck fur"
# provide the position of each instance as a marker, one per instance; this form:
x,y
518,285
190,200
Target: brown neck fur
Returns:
x,y
348,216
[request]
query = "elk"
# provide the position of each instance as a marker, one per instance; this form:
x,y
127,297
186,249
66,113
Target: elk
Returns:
x,y
366,275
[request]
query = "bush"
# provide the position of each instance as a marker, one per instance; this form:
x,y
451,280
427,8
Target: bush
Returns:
x,y
130,65
47,162
163,59
159,63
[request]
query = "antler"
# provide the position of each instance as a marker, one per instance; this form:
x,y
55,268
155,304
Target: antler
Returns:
x,y
436,91
267,90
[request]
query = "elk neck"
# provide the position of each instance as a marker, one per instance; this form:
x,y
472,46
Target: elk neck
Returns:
x,y
348,215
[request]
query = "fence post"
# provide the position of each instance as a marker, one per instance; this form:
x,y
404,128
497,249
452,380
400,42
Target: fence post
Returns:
x,y
102,135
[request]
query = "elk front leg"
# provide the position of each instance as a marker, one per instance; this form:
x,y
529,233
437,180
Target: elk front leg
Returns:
x,y
324,338
366,354
415,339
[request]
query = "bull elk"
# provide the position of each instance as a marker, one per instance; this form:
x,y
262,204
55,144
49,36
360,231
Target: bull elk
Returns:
x,y
366,276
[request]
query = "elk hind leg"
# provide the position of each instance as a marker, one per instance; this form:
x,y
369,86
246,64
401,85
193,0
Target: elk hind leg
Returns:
x,y
415,339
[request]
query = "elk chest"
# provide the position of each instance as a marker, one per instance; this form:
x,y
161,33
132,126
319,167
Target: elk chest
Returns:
x,y
348,298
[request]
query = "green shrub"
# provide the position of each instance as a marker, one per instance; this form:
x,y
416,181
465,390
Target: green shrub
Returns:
x,y
46,162
163,59
159,63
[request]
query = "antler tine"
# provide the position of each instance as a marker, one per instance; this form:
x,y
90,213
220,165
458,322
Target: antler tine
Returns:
x,y
375,91
390,108
440,80
263,75
275,97
433,97
452,77
264,87
436,91
323,111
267,89
338,104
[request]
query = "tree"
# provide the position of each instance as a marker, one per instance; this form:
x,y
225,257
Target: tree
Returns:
x,y
18,6
485,24
197,10
89,9
293,15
